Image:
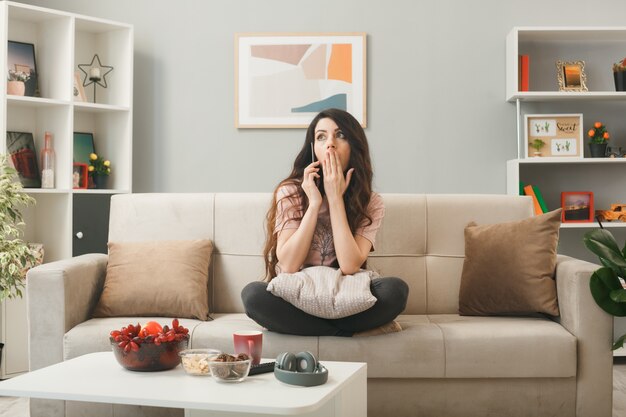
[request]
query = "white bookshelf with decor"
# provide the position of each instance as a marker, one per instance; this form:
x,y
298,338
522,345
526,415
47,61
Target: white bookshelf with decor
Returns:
x,y
62,41
599,48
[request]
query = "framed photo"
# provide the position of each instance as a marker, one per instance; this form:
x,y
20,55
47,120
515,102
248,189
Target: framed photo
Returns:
x,y
23,157
554,135
282,80
83,147
577,207
79,91
21,58
571,75
80,176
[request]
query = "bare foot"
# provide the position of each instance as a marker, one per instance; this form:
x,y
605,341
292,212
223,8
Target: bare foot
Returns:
x,y
391,327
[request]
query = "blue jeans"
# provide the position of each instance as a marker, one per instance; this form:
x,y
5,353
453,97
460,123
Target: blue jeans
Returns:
x,y
280,316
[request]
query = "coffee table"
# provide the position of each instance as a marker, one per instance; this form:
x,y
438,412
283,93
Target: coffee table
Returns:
x,y
97,377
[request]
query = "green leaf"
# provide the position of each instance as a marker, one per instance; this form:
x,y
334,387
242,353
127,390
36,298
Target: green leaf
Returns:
x,y
619,296
602,283
619,342
602,243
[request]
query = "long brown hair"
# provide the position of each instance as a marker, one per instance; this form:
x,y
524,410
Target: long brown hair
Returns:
x,y
356,197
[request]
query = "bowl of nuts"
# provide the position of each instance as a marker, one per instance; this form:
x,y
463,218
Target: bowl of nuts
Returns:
x,y
229,368
196,361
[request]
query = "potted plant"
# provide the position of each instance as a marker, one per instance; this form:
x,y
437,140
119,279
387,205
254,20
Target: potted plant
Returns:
x,y
598,139
619,75
537,144
16,256
607,284
15,82
99,170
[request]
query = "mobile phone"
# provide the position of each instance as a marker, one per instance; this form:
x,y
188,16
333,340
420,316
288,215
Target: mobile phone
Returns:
x,y
312,153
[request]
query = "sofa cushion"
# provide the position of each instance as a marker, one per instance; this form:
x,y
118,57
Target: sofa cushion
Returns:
x,y
509,267
218,334
506,347
157,278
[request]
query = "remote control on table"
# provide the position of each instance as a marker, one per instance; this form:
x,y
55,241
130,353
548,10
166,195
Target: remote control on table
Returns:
x,y
262,368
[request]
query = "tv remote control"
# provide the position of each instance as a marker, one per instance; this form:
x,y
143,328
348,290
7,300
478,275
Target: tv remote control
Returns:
x,y
262,368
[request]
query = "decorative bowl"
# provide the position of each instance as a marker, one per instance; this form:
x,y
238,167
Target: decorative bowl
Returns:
x,y
196,361
150,357
229,370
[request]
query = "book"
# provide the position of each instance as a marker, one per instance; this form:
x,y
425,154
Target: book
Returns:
x,y
523,76
528,190
542,202
521,188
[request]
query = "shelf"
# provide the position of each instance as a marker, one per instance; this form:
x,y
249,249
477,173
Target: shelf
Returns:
x,y
46,191
565,160
99,108
35,102
98,191
543,96
592,225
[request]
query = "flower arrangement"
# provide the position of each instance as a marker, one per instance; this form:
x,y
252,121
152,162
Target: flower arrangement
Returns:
x,y
598,134
98,165
620,66
18,76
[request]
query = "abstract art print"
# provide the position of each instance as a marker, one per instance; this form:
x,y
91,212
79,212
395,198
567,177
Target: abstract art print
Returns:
x,y
284,80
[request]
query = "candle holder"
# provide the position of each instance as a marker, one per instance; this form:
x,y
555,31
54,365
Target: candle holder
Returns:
x,y
95,74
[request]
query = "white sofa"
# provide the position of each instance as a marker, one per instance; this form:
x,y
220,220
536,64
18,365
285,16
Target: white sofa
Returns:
x,y
441,364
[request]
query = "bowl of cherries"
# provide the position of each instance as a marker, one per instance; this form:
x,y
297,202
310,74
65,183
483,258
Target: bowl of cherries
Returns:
x,y
150,347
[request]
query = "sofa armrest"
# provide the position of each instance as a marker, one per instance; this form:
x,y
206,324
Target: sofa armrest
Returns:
x,y
60,295
593,329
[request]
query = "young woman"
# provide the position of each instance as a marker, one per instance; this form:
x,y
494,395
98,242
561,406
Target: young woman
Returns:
x,y
325,213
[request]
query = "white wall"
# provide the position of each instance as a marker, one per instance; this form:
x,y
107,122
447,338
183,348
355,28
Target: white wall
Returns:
x,y
438,120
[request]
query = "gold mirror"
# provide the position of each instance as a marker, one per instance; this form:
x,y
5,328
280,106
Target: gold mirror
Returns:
x,y
571,75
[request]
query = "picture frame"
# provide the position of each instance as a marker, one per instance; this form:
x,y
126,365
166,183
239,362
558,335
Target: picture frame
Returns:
x,y
562,135
83,147
23,157
80,176
21,57
571,75
282,80
577,207
78,91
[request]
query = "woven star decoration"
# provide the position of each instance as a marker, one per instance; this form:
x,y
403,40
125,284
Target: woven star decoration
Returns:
x,y
86,69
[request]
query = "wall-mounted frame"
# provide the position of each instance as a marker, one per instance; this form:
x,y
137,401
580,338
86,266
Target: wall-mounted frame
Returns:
x,y
21,57
577,207
282,80
562,135
571,75
80,176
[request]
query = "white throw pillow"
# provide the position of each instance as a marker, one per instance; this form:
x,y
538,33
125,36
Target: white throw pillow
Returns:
x,y
323,292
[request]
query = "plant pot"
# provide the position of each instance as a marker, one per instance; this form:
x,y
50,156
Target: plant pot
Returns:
x,y
100,181
620,80
597,150
537,153
16,88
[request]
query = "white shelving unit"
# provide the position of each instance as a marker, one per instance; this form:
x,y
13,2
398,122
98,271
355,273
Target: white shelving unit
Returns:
x,y
62,41
599,47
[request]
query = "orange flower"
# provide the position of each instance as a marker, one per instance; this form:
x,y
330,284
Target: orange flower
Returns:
x,y
591,133
597,125
606,135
